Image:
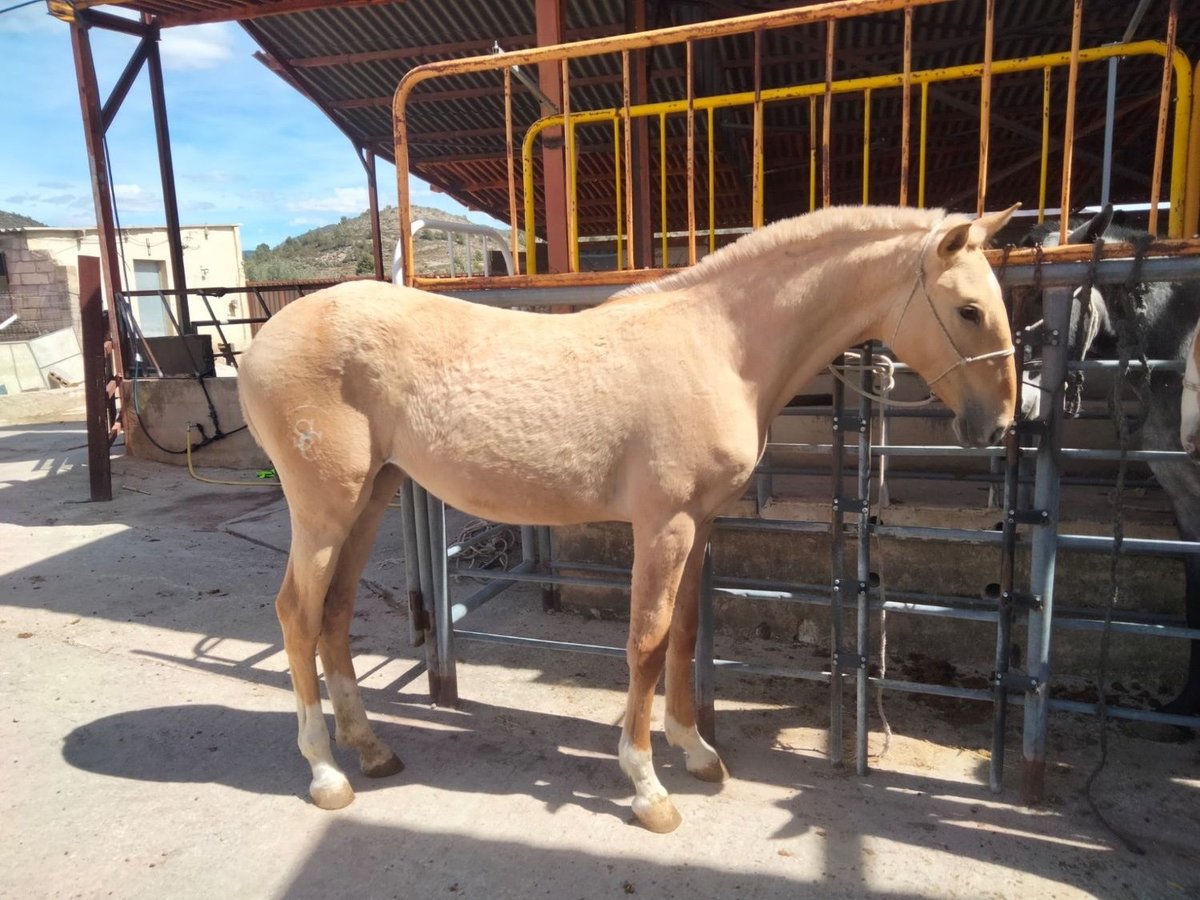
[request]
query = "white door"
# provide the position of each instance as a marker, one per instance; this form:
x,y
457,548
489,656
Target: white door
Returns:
x,y
148,275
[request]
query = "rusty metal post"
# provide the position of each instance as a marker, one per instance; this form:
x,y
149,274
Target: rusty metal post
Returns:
x,y
554,163
91,323
93,133
367,158
166,169
641,228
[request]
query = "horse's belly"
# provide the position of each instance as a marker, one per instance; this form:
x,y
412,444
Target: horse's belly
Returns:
x,y
516,495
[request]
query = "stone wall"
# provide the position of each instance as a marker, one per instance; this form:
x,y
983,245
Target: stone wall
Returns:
x,y
42,292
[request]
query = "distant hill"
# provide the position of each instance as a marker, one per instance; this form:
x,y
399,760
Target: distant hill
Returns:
x,y
16,220
343,249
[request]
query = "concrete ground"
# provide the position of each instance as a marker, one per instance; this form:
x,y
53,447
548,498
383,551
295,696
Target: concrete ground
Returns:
x,y
148,742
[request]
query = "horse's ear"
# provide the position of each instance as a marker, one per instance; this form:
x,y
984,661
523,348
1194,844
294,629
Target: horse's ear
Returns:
x,y
974,234
985,227
954,240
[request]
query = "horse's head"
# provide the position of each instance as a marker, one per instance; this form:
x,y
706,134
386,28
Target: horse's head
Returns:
x,y
953,329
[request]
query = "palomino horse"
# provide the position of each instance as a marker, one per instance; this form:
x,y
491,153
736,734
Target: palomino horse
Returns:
x,y
1189,403
652,410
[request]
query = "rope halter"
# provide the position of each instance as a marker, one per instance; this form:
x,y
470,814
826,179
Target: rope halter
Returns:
x,y
920,283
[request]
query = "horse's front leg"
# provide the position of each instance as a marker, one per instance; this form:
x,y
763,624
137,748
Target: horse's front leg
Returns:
x,y
702,760
660,552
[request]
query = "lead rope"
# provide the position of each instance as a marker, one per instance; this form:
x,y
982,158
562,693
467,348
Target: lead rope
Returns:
x,y
1127,323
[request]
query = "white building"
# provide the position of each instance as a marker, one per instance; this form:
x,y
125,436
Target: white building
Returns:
x,y
39,284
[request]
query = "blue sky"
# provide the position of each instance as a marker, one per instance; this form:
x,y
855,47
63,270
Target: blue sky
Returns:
x,y
247,148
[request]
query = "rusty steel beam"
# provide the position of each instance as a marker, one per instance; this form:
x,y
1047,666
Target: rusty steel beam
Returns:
x,y
95,380
554,164
166,168
367,158
128,76
93,134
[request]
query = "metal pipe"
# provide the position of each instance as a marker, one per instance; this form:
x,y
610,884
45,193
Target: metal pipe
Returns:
x,y
1110,115
757,216
1044,168
906,108
691,160
510,170
827,117
1043,556
1069,126
863,572
463,608
985,105
703,675
1164,107
447,677
866,148
837,567
412,568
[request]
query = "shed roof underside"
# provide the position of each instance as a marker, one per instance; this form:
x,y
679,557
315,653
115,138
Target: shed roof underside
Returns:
x,y
348,58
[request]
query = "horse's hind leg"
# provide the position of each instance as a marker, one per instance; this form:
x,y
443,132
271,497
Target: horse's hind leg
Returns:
x,y
376,758
316,544
702,760
658,560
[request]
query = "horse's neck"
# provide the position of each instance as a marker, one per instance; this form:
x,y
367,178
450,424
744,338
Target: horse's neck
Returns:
x,y
794,312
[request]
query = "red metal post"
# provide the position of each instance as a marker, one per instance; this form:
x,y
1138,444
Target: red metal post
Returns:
x,y
367,157
91,322
166,168
554,175
93,133
641,236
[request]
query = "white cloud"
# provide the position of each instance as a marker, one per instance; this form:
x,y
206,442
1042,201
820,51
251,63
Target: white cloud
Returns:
x,y
197,46
344,200
135,198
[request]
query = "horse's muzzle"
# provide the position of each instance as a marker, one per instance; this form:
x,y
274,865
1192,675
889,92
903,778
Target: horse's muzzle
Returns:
x,y
975,430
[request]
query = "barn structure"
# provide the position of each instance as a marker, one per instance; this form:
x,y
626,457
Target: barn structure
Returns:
x,y
621,137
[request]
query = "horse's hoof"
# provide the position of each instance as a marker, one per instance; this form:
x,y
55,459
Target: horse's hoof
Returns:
x,y
714,772
660,817
331,793
389,766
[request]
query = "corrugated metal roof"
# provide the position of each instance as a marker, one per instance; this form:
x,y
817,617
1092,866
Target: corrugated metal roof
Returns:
x,y
349,58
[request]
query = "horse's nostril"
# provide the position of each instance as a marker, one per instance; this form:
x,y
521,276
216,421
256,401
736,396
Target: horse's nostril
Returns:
x,y
997,436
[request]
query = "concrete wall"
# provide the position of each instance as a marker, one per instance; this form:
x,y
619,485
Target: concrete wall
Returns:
x,y
169,405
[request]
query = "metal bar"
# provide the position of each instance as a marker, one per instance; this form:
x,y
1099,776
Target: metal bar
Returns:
x,y
91,324
924,135
704,670
1043,556
128,76
866,148
757,216
367,157
510,171
551,601
425,579
572,189
412,566
1110,112
712,183
906,106
627,125
1164,106
665,258
447,676
985,105
691,160
1191,200
812,153
1046,74
617,207
93,133
863,593
460,610
827,116
837,569
1069,126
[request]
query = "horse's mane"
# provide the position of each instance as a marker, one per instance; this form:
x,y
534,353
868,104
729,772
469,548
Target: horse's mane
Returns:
x,y
807,227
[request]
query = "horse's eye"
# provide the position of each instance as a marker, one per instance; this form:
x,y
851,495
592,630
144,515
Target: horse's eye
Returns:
x,y
970,314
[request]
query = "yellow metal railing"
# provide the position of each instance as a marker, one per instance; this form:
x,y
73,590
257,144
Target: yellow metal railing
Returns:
x,y
827,13
1183,120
